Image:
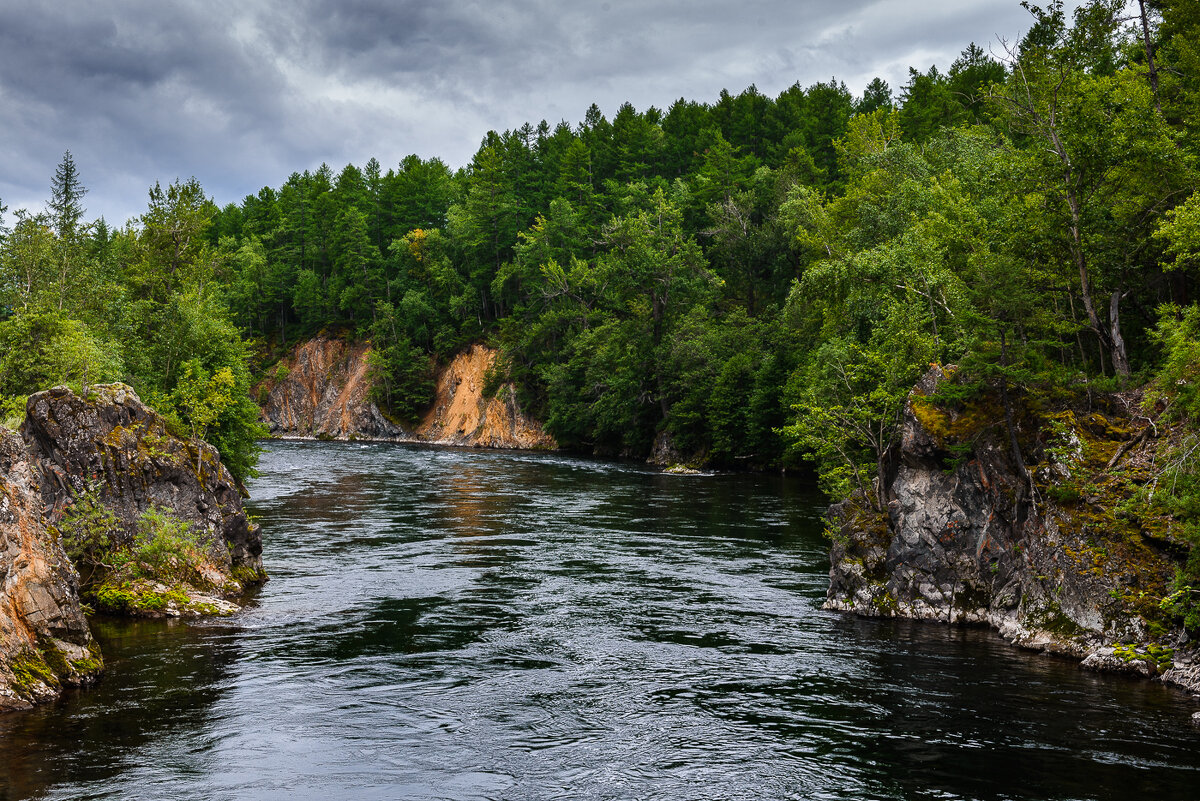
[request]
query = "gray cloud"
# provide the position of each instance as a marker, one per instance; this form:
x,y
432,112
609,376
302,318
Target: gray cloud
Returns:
x,y
240,94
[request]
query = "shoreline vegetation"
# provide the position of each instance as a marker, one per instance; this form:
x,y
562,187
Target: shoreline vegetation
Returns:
x,y
747,283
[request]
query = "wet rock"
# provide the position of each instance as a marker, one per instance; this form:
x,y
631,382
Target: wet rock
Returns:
x,y
965,539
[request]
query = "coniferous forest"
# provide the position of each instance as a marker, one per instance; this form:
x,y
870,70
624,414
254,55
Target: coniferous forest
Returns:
x,y
753,281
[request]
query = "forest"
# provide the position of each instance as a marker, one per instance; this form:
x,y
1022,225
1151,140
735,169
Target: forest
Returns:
x,y
753,282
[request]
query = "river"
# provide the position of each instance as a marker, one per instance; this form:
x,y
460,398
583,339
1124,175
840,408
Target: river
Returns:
x,y
449,624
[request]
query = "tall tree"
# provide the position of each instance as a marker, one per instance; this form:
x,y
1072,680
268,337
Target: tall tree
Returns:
x,y
66,211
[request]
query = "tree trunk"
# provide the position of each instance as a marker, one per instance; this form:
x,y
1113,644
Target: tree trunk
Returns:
x,y
1150,65
1119,358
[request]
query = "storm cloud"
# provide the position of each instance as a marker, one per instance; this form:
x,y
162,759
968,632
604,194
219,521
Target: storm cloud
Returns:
x,y
241,94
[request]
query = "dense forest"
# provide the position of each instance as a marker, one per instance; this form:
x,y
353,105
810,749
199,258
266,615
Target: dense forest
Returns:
x,y
751,282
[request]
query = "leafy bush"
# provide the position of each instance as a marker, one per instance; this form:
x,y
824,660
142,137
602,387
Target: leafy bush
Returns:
x,y
1176,388
89,533
166,548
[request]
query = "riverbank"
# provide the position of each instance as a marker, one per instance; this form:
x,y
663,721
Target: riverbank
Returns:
x,y
1055,554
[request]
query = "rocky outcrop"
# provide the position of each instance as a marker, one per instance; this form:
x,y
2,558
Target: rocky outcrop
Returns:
x,y
44,638
1045,552
320,390
462,415
112,442
112,455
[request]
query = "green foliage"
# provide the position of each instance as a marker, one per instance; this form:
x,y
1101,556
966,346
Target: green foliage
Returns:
x,y
12,411
165,548
401,374
41,348
848,402
1177,489
90,532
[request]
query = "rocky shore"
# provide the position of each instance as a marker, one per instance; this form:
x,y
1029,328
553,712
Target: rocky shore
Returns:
x,y
1048,552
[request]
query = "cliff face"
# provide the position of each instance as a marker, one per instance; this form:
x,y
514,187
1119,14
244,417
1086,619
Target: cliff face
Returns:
x,y
461,415
44,638
321,390
123,448
1052,560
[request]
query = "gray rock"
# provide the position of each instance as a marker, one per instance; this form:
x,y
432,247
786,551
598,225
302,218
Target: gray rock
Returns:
x,y
963,540
115,443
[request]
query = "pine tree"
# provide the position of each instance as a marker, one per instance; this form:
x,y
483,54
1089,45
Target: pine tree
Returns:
x,y
65,194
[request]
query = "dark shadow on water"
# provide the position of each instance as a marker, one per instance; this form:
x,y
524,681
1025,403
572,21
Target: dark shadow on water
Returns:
x,y
161,678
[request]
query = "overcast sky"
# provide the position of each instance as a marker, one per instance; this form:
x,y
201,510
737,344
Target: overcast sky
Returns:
x,y
241,93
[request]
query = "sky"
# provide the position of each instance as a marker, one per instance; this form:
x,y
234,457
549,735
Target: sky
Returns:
x,y
241,93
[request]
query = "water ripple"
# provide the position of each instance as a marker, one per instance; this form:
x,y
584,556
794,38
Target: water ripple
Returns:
x,y
447,624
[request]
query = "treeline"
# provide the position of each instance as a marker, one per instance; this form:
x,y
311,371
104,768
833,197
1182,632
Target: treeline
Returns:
x,y
747,282
755,279
636,272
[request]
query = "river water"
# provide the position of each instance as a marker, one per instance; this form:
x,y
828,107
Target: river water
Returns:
x,y
445,624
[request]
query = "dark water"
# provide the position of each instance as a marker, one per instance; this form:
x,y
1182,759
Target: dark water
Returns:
x,y
455,625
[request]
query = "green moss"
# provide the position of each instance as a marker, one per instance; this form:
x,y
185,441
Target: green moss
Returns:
x,y
54,659
1051,618
957,426
113,600
123,599
86,666
246,575
30,668
207,609
1160,656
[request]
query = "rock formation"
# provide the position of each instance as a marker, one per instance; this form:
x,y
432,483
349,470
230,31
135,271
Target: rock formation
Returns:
x,y
461,415
124,448
1046,558
44,638
111,448
321,390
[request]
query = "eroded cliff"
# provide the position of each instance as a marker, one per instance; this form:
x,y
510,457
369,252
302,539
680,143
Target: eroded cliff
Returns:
x,y
1050,553
462,415
322,390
